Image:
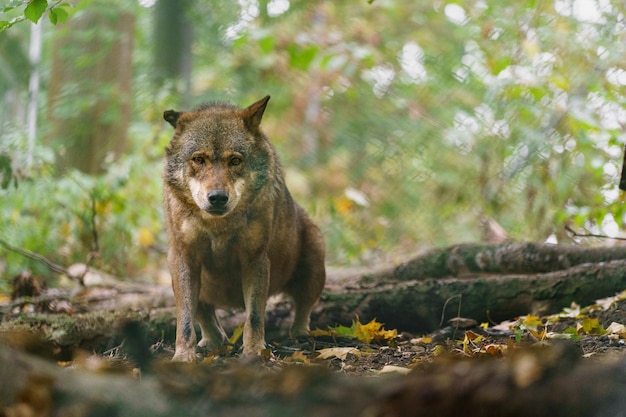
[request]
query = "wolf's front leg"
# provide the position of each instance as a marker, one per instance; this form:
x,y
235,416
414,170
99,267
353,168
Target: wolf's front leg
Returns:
x,y
186,285
255,282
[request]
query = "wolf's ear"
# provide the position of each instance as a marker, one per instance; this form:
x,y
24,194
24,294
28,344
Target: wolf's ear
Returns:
x,y
171,117
252,115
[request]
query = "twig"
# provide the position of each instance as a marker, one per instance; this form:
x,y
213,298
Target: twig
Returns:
x,y
51,265
576,234
443,312
94,231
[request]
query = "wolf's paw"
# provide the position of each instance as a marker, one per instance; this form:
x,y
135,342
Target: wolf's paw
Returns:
x,y
297,332
185,355
210,343
254,350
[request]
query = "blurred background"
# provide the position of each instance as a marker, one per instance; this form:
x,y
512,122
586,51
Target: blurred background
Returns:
x,y
402,125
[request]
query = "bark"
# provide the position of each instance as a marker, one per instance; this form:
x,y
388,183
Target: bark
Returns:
x,y
543,382
483,282
90,88
173,36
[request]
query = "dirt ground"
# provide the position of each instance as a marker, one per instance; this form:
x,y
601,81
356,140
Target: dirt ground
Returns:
x,y
525,366
584,330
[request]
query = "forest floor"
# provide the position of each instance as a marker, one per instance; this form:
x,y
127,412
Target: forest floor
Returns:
x,y
349,350
362,349
524,366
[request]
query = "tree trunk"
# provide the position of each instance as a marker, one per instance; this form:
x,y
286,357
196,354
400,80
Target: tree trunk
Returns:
x,y
172,46
90,92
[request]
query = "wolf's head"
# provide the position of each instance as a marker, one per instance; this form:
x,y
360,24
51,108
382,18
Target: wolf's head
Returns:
x,y
218,155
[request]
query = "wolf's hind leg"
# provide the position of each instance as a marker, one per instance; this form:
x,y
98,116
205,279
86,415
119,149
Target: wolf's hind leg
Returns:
x,y
213,334
309,278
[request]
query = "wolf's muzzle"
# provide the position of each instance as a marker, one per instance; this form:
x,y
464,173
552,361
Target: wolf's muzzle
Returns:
x,y
217,201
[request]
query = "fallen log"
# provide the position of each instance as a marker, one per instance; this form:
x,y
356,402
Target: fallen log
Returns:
x,y
508,258
482,282
420,304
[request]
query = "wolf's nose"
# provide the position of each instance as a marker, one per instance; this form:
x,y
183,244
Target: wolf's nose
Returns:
x,y
217,198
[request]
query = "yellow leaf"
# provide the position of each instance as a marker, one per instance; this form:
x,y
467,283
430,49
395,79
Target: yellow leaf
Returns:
x,y
343,205
470,335
236,334
145,237
320,332
531,322
425,340
373,331
592,326
438,350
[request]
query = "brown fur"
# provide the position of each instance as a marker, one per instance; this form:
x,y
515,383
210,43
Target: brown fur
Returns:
x,y
236,236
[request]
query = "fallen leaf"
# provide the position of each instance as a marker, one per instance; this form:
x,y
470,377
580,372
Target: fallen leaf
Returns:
x,y
495,349
590,326
506,325
392,368
337,352
438,350
373,331
531,322
300,357
423,340
236,334
320,333
462,322
573,311
618,329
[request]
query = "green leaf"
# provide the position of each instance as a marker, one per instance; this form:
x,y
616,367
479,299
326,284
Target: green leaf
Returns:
x,y
52,15
301,58
35,10
572,333
61,14
267,44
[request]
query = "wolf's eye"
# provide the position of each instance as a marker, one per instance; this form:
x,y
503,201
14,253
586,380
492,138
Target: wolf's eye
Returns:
x,y
235,160
198,160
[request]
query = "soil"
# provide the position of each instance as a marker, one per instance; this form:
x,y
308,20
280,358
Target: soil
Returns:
x,y
463,339
526,366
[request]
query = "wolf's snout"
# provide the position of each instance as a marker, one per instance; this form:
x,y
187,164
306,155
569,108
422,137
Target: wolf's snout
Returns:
x,y
217,198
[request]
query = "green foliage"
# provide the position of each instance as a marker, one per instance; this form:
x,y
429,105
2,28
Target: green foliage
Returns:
x,y
34,10
112,221
400,124
16,11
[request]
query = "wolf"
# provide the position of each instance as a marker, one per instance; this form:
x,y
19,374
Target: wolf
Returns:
x,y
236,236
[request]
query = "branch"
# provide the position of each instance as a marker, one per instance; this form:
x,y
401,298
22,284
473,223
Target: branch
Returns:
x,y
576,234
51,265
